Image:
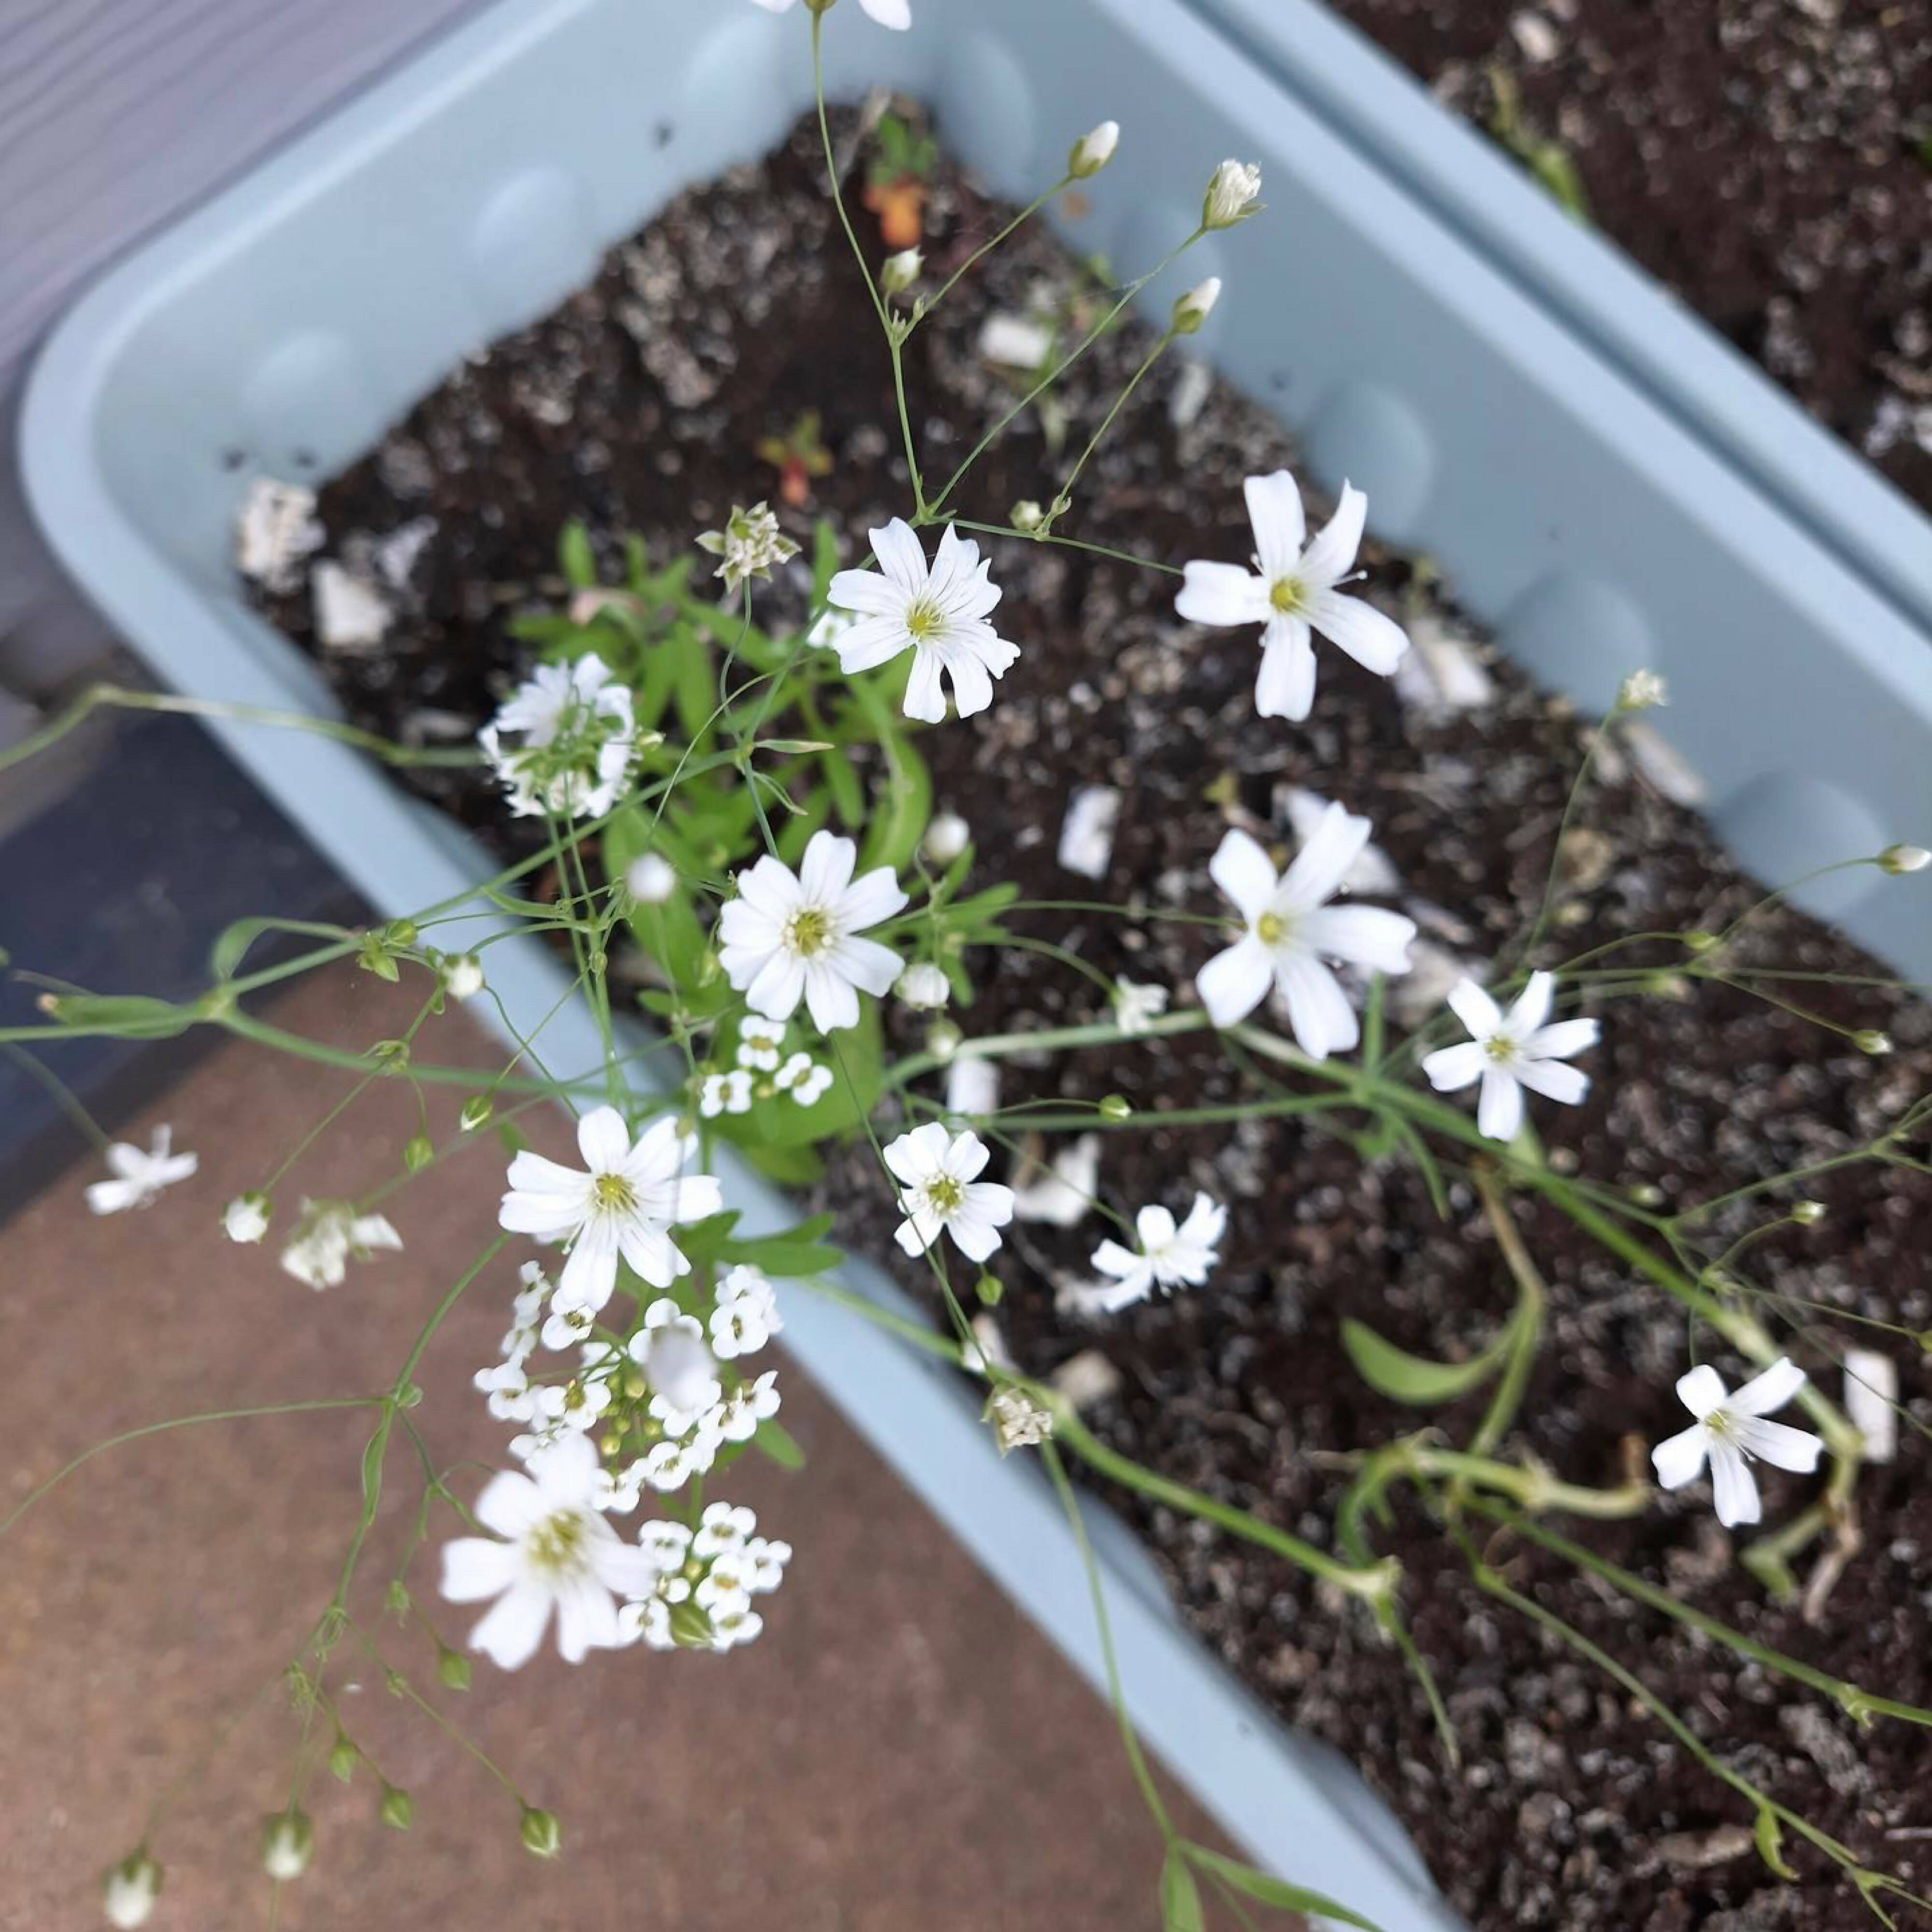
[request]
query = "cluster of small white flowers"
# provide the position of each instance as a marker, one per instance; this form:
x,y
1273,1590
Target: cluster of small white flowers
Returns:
x,y
763,1069
329,1234
706,1580
750,544
575,740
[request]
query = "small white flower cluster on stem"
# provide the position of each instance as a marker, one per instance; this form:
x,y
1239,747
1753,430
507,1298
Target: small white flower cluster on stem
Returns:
x,y
763,1069
706,1580
328,1235
575,738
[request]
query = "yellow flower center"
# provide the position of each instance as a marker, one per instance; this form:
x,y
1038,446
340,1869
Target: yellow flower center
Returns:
x,y
809,932
613,1194
555,1546
945,1193
1500,1048
924,622
1271,928
1284,595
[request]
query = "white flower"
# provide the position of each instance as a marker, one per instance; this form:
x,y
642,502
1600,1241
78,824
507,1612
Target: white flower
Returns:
x,y
329,1234
1292,929
923,985
725,1094
887,13
947,837
1899,859
1093,150
787,937
937,613
128,1891
557,1552
288,1843
626,1204
746,1316
1135,1004
1509,1051
1192,309
1169,1257
941,1193
676,1362
759,1042
578,737
138,1177
897,274
1231,194
751,544
1293,591
245,1219
1731,1432
1064,1194
650,880
1642,690
803,1078
746,1406
1019,1421
462,975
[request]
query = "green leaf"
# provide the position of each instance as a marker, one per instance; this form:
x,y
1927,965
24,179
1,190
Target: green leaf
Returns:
x,y
132,1015
1402,1377
848,795
1770,1837
779,1444
1258,1885
233,942
825,559
1180,1897
574,556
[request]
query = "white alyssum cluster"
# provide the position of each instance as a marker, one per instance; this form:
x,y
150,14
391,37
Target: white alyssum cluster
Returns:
x,y
137,1178
330,1234
705,1581
575,739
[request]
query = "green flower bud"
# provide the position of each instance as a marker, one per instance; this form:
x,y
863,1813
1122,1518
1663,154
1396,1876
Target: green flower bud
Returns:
x,y
452,1668
899,271
1807,1213
1194,308
541,1835
397,1809
342,1759
1869,1039
476,1112
989,1288
1093,150
418,1150
1116,1107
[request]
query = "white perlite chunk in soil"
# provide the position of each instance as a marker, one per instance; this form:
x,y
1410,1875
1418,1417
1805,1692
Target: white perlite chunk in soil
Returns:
x,y
1087,833
350,615
275,529
1871,1389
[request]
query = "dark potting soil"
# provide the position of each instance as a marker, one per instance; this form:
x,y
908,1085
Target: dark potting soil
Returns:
x,y
638,406
1770,160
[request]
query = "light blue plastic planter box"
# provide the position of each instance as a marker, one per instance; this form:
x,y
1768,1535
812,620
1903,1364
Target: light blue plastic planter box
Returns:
x,y
308,308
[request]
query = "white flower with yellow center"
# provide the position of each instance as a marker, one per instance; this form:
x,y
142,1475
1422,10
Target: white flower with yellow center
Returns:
x,y
938,613
138,1177
625,1204
1292,931
791,936
1509,1051
555,1552
941,1193
1730,1433
1293,591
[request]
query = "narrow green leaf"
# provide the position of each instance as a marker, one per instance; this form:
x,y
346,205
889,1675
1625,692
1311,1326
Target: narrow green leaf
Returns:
x,y
1180,1897
1258,1885
1402,1377
1770,1837
772,1439
574,556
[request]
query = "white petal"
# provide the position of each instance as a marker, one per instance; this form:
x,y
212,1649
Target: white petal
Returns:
x,y
1455,1066
510,1503
1325,861
871,642
603,1140
869,592
1365,935
1233,983
925,697
826,870
873,896
1532,1006
1701,1390
972,688
1679,1458
509,1635
477,1566
1274,509
1221,594
1285,684
1767,1393
829,998
661,1151
974,1236
770,888
1318,1009
1376,643
1733,1487
651,1251
1332,555
586,1619
778,987
1241,869
1499,1111
1554,1079
1779,1444
914,1155
1563,1041
589,1276
900,556
1474,1009
895,13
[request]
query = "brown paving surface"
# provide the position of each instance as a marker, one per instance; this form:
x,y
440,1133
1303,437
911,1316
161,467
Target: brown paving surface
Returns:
x,y
899,1749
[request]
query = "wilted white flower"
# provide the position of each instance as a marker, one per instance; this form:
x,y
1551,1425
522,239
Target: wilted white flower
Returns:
x,y
945,838
923,985
939,613
1642,690
751,544
1232,194
941,1192
245,1219
1063,1196
725,1094
555,1552
1293,591
1730,1433
1170,1256
1193,309
288,1843
128,1891
1019,1421
138,1177
888,13
577,736
627,1203
328,1235
677,1363
746,1316
1135,1004
1901,859
462,975
898,273
650,880
1093,150
804,1078
1509,1051
1292,931
791,936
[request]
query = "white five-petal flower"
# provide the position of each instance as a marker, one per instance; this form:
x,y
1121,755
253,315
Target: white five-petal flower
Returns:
x,y
1509,1051
1293,591
626,1204
937,612
1170,1256
791,936
139,1177
888,13
1730,1433
941,1193
557,1552
1292,931
576,738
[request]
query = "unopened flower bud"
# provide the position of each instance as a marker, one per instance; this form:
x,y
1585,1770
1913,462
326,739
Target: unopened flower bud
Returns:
x,y
1868,1039
476,1112
922,985
1642,690
396,1809
900,272
541,1835
650,880
463,975
452,1668
1093,150
1026,516
943,1040
1700,941
1232,194
342,1759
418,1150
989,1288
246,1217
1807,1213
1902,858
128,1891
947,837
1116,1107
288,1843
1196,306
